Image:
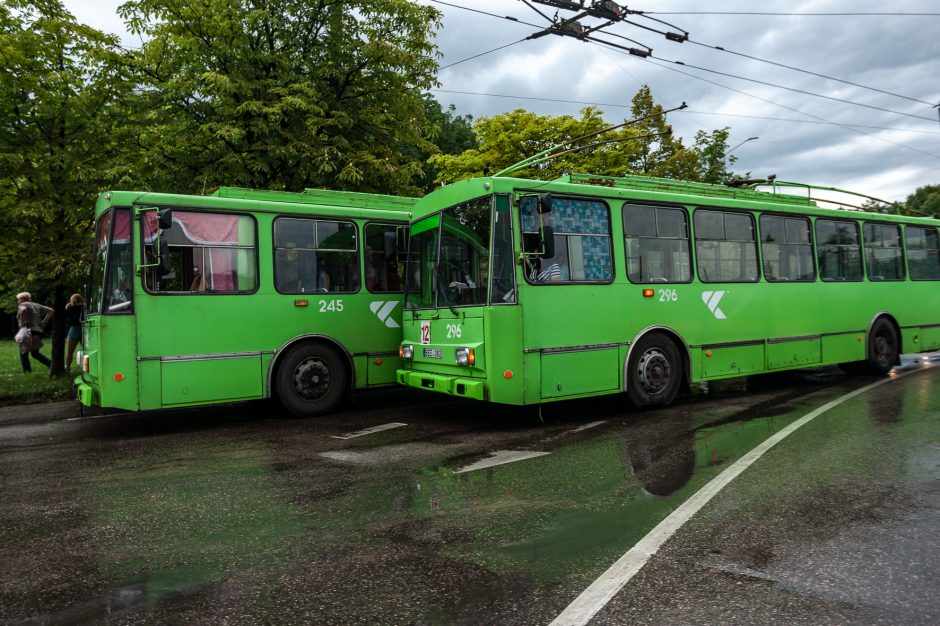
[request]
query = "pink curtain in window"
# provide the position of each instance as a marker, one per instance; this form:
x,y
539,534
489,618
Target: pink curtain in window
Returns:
x,y
221,271
200,228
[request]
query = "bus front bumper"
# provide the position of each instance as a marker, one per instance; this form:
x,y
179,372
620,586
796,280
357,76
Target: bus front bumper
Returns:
x,y
451,385
84,393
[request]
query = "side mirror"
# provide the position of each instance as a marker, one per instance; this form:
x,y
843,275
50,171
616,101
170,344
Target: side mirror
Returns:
x,y
545,202
164,257
548,241
164,218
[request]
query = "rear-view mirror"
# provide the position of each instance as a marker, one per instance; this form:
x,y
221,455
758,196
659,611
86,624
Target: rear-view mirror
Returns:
x,y
548,241
545,202
164,218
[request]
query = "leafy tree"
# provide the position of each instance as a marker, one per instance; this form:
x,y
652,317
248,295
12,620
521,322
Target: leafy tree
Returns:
x,y
924,201
283,93
712,163
450,134
59,84
642,148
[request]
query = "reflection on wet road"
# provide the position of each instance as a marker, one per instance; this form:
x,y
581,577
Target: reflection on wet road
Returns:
x,y
469,513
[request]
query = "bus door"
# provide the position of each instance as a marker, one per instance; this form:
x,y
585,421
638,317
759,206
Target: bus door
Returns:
x,y
201,334
572,324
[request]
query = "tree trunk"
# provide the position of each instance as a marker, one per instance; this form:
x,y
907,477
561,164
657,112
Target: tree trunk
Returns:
x,y
59,330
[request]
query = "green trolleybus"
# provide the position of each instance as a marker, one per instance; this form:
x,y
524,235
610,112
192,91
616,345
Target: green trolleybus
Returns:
x,y
523,291
240,295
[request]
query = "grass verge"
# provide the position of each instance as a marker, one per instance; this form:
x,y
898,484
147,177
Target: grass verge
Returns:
x,y
19,388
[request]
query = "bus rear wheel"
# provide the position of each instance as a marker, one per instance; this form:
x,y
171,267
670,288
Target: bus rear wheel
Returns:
x,y
883,351
311,380
654,371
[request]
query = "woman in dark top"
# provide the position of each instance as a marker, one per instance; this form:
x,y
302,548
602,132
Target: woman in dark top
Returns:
x,y
73,314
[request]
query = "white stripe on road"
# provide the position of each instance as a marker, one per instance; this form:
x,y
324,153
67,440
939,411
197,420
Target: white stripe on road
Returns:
x,y
586,426
501,457
369,431
602,590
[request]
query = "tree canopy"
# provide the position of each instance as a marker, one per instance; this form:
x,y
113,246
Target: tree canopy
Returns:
x,y
283,94
646,147
60,82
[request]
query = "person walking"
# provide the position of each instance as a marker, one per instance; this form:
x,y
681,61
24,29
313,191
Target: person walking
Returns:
x,y
73,311
32,318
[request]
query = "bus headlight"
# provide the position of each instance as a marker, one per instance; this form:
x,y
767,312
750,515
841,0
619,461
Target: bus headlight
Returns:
x,y
406,352
78,358
465,356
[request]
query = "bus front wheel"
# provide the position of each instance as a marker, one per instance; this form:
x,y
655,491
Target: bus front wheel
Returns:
x,y
654,371
311,380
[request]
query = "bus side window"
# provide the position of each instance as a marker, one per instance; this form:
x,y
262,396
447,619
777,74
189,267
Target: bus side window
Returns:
x,y
923,252
384,261
656,244
786,248
315,256
884,258
838,250
725,246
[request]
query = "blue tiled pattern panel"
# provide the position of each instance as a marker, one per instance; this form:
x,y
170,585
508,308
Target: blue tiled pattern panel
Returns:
x,y
530,219
596,258
571,217
568,216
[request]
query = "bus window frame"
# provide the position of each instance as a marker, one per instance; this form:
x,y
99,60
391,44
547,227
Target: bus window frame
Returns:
x,y
362,277
440,244
907,256
518,193
860,246
141,208
512,245
359,252
688,229
106,274
812,245
756,241
902,247
437,256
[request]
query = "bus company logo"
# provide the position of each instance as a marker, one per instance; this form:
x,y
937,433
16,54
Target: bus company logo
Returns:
x,y
383,310
711,300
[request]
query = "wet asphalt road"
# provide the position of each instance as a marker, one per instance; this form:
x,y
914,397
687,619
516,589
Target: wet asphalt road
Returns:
x,y
240,515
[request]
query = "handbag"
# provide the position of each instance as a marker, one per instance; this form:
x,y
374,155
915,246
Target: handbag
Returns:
x,y
24,337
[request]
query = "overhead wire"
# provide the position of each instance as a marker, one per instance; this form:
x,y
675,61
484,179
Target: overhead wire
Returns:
x,y
793,89
780,14
476,56
619,49
687,112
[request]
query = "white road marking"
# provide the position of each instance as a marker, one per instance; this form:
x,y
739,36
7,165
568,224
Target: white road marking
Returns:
x,y
369,431
602,590
586,426
501,457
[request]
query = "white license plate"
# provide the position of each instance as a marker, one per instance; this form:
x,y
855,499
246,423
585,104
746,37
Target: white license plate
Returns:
x,y
433,353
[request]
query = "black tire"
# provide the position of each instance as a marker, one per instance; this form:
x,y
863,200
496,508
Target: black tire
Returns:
x,y
882,352
654,371
311,380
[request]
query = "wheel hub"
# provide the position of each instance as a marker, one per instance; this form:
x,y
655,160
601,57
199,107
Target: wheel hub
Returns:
x,y
311,378
653,371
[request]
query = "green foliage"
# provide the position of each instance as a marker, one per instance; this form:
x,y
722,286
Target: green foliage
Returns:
x,y
641,148
450,134
283,94
59,87
924,201
712,163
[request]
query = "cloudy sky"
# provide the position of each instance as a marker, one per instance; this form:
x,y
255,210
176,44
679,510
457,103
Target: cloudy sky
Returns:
x,y
800,137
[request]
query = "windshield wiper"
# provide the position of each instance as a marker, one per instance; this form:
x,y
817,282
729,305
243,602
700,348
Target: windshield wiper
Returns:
x,y
441,292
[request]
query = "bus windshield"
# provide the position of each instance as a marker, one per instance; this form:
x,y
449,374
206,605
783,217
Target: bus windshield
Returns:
x,y
112,251
449,260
